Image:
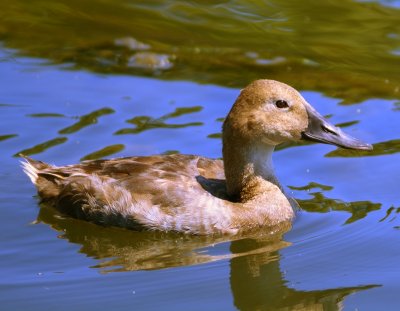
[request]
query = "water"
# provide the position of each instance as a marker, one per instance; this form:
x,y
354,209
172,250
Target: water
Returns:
x,y
84,80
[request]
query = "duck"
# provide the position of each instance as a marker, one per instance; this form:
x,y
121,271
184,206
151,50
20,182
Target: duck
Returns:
x,y
193,194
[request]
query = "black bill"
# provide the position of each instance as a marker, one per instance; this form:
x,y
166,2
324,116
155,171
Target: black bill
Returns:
x,y
320,130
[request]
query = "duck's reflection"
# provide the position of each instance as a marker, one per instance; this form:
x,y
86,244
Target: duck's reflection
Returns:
x,y
128,250
257,282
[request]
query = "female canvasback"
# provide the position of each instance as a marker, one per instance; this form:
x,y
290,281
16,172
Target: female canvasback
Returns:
x,y
194,194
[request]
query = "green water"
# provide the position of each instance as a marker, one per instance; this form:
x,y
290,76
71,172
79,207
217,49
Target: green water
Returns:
x,y
91,79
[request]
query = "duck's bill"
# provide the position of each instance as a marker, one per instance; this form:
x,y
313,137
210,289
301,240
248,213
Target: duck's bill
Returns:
x,y
320,130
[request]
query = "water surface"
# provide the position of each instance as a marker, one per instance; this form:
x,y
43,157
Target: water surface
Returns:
x,y
91,79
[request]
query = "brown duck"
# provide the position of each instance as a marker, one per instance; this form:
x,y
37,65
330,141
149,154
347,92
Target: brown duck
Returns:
x,y
194,194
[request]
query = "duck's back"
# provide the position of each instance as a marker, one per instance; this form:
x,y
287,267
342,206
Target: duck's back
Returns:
x,y
167,192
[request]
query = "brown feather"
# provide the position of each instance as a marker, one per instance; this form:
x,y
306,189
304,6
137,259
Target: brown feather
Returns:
x,y
188,193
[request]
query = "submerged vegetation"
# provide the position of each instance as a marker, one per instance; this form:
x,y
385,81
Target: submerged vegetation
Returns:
x,y
222,42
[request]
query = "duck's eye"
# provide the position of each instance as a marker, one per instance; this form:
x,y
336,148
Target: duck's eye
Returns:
x,y
281,104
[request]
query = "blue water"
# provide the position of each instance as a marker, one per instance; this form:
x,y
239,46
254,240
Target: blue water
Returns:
x,y
342,253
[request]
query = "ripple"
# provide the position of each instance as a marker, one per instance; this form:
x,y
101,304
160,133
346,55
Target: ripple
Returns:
x,y
46,115
144,123
322,204
86,120
5,137
383,148
43,146
104,152
312,185
215,135
391,214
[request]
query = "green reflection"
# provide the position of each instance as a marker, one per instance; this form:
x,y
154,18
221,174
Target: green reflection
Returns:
x,y
347,124
181,111
215,135
391,214
86,120
8,105
312,185
321,204
43,146
386,147
342,48
104,152
5,137
46,115
144,123
258,283
171,152
128,250
256,279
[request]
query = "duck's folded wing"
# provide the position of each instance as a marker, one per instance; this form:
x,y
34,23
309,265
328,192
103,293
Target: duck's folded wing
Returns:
x,y
160,192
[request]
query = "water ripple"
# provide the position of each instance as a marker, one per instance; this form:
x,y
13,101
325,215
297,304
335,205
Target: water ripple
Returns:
x,y
86,120
43,146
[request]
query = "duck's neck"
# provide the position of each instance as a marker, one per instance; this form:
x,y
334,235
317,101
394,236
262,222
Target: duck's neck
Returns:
x,y
248,168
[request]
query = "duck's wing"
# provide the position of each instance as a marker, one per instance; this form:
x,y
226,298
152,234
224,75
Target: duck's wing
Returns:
x,y
168,192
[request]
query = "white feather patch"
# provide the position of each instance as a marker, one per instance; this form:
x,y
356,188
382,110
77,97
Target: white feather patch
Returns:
x,y
30,170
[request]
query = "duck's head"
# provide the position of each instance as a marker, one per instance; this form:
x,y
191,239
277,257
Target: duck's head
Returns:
x,y
269,112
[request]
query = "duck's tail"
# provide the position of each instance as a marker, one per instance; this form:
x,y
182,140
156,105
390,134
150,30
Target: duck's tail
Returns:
x,y
42,176
32,168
